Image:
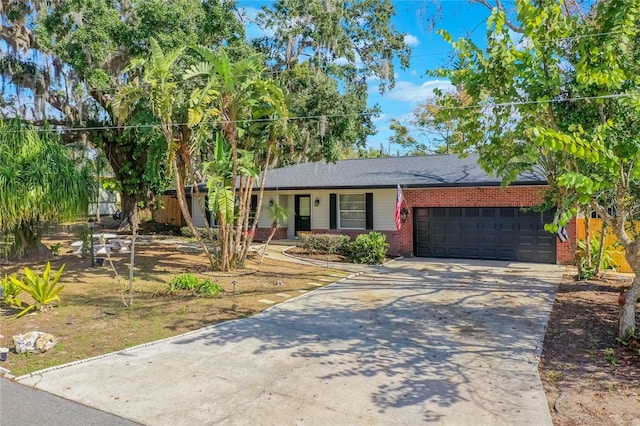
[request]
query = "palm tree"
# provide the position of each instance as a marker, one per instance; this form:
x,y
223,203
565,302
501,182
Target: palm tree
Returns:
x,y
278,215
158,88
39,183
238,101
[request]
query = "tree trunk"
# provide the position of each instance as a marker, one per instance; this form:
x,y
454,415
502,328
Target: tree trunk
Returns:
x,y
627,324
98,188
130,218
182,201
132,259
224,234
264,249
603,234
587,239
27,244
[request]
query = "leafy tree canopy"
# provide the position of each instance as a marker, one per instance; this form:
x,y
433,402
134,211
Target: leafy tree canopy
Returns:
x,y
39,184
324,53
64,62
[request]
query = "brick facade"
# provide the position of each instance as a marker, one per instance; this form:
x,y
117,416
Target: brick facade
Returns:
x,y
512,196
263,233
401,243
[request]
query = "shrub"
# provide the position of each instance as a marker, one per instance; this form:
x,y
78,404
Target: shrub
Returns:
x,y
209,288
325,243
369,248
185,231
588,272
183,282
9,292
55,249
44,291
197,286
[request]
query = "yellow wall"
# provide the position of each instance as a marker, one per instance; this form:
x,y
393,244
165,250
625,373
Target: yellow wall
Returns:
x,y
617,253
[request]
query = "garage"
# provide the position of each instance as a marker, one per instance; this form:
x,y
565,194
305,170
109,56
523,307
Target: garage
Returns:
x,y
499,233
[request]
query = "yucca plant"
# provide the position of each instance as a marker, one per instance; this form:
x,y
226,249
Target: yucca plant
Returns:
x,y
44,291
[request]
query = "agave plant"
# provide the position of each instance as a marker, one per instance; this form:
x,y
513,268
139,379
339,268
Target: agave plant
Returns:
x,y
44,291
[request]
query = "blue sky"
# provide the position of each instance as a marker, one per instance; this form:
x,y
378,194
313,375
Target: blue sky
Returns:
x,y
429,51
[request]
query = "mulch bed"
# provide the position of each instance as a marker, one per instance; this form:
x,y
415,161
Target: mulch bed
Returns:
x,y
588,375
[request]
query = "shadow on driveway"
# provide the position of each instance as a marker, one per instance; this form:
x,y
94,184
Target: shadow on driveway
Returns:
x,y
410,342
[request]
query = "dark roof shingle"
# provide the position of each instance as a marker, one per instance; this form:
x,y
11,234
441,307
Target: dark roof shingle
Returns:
x,y
423,171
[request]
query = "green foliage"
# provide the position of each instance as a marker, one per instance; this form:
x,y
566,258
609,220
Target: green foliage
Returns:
x,y
610,356
369,248
44,290
359,31
185,231
55,249
325,243
194,285
183,282
209,288
588,267
278,214
84,46
304,57
10,292
402,137
39,183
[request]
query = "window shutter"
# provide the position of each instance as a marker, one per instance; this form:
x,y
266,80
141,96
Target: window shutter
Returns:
x,y
333,210
369,210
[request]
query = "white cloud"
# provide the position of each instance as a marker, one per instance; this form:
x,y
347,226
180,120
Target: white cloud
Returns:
x,y
411,40
411,92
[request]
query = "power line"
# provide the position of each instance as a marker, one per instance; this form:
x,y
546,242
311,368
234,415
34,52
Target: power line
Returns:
x,y
322,116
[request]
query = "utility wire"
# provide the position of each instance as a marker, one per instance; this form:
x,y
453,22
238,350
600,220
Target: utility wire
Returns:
x,y
319,117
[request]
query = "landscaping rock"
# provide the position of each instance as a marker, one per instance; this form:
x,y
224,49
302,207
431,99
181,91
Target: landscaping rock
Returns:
x,y
34,341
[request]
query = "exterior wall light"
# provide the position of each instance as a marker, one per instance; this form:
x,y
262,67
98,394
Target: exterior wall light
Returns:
x,y
316,202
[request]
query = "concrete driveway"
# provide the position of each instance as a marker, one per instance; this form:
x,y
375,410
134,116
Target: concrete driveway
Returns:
x,y
416,341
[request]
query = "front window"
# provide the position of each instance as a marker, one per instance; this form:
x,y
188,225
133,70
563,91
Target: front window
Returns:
x,y
352,211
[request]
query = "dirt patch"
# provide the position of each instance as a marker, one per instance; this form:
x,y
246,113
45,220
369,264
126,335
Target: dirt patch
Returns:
x,y
92,319
588,376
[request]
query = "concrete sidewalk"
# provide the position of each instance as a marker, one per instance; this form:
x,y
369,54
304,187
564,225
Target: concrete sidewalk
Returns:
x,y
413,342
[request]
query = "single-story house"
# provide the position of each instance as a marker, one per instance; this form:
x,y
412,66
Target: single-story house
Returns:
x,y
455,209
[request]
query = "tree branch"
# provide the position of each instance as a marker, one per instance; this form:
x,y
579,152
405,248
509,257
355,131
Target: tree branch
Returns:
x,y
509,24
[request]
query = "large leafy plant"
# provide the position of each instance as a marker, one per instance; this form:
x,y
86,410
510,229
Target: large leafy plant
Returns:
x,y
588,266
44,291
369,248
10,292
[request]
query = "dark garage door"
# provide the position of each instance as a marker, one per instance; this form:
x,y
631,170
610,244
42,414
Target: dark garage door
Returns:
x,y
502,233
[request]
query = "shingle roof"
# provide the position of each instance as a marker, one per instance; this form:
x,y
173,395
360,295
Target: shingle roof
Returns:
x,y
423,171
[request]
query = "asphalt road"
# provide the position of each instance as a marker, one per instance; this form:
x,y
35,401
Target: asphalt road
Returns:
x,y
22,405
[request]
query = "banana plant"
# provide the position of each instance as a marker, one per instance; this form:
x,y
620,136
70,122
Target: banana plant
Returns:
x,y
44,291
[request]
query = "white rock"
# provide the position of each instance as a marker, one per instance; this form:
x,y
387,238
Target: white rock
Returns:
x,y
34,341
